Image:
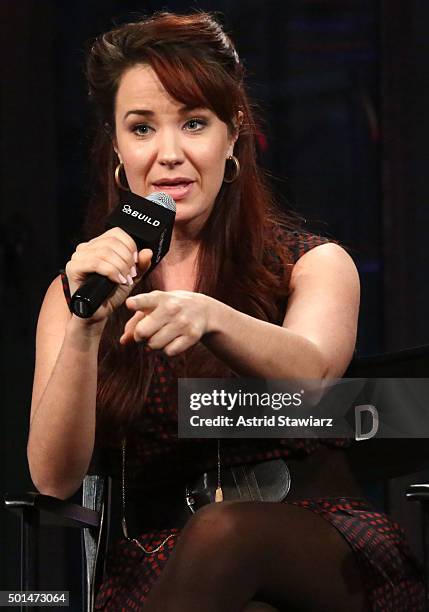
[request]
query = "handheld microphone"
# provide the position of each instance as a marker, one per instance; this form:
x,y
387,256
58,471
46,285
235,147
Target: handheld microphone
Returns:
x,y
149,221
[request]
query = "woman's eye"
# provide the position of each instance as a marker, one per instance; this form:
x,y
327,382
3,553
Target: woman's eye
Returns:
x,y
195,124
141,130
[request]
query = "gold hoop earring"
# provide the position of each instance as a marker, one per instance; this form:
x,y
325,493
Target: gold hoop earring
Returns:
x,y
118,181
236,170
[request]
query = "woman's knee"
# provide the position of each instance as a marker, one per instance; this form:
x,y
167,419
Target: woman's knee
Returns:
x,y
242,530
218,535
216,524
209,555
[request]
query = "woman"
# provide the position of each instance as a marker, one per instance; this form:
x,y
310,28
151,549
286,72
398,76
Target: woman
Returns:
x,y
238,294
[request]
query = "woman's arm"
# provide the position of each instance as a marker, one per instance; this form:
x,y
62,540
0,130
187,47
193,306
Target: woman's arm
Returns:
x,y
63,410
62,423
318,336
316,340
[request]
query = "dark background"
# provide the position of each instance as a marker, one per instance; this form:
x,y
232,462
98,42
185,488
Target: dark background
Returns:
x,y
344,90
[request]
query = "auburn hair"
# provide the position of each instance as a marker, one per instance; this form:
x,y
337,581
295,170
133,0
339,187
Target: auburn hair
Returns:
x,y
243,257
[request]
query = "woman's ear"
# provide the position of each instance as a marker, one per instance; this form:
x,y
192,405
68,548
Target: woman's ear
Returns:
x,y
238,122
240,118
115,148
237,125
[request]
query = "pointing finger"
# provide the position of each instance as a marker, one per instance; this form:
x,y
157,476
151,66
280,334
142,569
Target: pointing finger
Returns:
x,y
143,301
147,302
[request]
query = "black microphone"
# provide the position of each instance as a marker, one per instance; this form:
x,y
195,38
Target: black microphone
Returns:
x,y
149,221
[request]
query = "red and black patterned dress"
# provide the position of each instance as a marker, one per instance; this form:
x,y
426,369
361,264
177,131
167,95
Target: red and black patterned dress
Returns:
x,y
391,575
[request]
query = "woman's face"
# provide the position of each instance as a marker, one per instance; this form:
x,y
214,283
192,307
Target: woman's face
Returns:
x,y
167,147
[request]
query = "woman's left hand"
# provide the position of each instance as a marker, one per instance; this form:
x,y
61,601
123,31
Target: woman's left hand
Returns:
x,y
171,321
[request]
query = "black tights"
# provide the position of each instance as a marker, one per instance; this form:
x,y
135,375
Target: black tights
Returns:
x,y
231,553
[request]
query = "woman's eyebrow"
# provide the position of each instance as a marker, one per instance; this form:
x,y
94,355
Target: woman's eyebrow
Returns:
x,y
142,112
149,113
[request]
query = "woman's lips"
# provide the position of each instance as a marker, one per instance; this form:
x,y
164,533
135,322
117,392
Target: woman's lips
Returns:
x,y
177,192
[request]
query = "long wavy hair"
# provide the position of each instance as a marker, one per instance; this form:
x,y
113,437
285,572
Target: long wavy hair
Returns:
x,y
242,258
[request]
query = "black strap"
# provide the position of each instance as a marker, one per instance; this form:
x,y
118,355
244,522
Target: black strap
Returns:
x,y
66,288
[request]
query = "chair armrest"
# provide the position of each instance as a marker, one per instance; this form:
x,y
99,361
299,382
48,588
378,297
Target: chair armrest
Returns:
x,y
418,492
52,511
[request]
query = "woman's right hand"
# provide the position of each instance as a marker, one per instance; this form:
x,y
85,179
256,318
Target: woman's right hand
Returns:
x,y
114,255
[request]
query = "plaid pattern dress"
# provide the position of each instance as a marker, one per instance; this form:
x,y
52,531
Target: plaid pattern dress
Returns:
x,y
391,575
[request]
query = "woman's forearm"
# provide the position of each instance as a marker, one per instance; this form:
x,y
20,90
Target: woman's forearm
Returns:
x,y
62,429
255,348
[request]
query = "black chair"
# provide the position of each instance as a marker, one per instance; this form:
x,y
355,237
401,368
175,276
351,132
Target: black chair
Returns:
x,y
420,492
376,459
92,518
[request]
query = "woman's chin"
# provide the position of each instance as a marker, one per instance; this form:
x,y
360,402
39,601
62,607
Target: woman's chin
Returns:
x,y
182,219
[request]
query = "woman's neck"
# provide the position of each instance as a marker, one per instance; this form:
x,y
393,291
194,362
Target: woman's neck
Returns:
x,y
181,250
178,268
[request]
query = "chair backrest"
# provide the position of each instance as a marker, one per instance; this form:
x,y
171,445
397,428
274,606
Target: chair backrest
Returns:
x,y
96,495
406,363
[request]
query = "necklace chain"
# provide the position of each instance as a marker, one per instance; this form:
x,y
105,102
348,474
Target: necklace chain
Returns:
x,y
219,492
218,498
124,520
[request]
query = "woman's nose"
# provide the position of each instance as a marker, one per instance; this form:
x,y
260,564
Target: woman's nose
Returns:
x,y
170,152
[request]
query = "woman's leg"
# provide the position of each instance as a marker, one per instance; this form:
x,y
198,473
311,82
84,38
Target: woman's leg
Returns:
x,y
232,552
